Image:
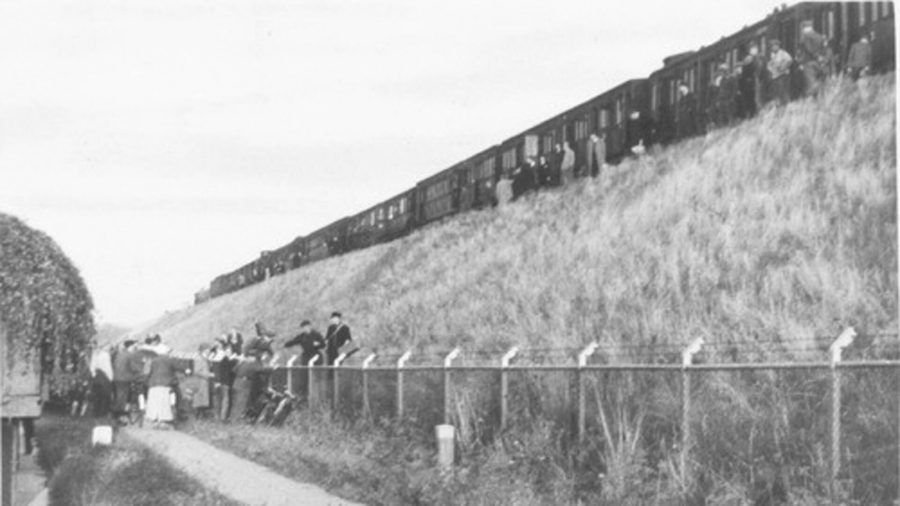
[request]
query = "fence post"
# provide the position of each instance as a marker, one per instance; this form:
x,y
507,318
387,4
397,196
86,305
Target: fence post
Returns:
x,y
448,362
365,383
834,351
310,380
687,358
336,391
504,385
289,386
400,364
579,387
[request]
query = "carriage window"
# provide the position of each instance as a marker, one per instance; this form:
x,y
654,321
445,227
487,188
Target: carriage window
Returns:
x,y
403,205
581,127
620,105
547,143
862,14
437,189
509,159
604,118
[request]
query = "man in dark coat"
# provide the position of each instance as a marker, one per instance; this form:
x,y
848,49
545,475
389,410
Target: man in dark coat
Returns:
x,y
859,63
248,380
687,113
554,160
337,336
813,58
309,340
128,368
262,343
236,341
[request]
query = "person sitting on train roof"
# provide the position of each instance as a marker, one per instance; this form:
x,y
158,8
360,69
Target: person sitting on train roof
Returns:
x,y
309,340
337,335
780,72
812,56
859,63
504,190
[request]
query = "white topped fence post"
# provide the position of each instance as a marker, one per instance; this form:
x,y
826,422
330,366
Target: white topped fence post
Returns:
x,y
365,384
835,351
580,390
336,390
310,380
401,363
504,385
448,362
687,359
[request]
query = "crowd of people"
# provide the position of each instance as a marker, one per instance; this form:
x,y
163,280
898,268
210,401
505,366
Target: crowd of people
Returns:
x,y
757,79
148,383
736,92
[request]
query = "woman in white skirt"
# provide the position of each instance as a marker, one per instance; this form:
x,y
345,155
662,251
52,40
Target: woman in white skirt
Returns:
x,y
159,397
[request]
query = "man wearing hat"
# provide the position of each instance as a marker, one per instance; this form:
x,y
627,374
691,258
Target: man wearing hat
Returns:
x,y
309,339
338,335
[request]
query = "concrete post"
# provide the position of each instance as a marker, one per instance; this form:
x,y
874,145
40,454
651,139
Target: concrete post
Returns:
x,y
446,446
400,363
365,384
687,358
579,386
290,373
834,352
336,390
448,362
310,380
504,385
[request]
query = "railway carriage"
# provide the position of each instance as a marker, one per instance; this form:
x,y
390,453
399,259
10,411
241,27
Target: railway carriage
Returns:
x,y
438,196
477,177
842,24
637,110
328,241
383,222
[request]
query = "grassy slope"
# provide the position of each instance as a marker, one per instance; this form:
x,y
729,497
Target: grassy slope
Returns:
x,y
783,228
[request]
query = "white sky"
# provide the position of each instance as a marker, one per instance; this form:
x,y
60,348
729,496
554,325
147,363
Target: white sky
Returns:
x,y
163,142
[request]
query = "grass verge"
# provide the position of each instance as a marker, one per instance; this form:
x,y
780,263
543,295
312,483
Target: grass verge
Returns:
x,y
123,474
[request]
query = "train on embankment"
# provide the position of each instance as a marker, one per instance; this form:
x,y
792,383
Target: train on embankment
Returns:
x,y
642,111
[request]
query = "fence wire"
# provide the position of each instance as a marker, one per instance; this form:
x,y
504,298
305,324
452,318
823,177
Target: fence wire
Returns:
x,y
811,427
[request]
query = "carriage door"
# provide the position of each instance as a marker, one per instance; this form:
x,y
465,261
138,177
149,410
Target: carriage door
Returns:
x,y
466,183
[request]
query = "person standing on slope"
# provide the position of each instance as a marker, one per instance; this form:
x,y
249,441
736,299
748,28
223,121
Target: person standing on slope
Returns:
x,y
336,337
310,341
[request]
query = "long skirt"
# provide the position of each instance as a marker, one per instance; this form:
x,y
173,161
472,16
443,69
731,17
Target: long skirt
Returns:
x,y
159,405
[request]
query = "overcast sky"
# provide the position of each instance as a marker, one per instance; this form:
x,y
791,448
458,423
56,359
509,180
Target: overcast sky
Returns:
x,y
163,142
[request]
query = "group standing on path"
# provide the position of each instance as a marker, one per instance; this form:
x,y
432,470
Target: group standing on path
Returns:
x,y
147,382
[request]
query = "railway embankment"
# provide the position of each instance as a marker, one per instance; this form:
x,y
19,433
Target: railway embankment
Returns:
x,y
779,229
766,238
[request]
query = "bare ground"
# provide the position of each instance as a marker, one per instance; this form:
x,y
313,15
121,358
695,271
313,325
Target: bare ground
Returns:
x,y
232,476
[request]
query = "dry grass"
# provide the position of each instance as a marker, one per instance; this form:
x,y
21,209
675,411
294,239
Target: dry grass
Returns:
x,y
783,228
761,238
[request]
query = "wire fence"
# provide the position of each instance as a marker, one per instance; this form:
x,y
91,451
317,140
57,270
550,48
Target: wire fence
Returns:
x,y
827,425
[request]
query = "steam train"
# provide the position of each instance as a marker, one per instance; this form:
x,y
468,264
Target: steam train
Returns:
x,y
637,111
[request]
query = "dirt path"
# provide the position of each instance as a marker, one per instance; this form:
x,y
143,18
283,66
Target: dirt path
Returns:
x,y
232,476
